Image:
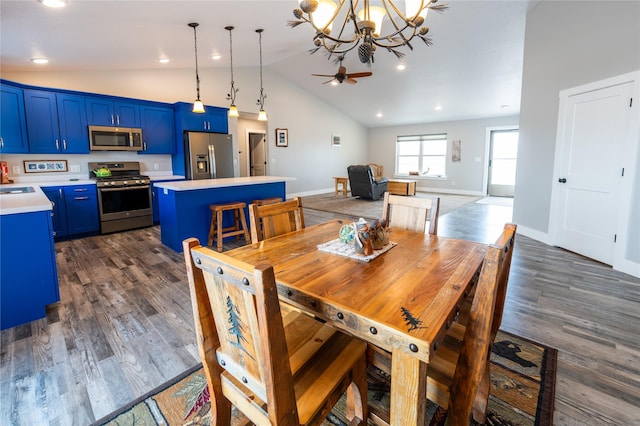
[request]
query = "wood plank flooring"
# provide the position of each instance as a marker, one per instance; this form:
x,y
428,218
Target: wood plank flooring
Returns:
x,y
124,326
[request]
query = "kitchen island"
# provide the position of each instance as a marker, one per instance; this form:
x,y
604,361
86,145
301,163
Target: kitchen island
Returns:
x,y
184,205
28,272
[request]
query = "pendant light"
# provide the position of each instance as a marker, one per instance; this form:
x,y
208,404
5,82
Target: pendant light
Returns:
x,y
197,104
233,109
262,115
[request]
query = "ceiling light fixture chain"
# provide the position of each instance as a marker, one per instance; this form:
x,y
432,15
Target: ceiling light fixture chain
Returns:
x,y
233,110
262,115
198,106
367,25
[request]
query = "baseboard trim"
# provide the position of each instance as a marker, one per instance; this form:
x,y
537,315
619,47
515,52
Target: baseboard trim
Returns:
x,y
543,237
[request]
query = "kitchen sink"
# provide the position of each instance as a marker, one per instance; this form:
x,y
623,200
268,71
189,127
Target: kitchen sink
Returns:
x,y
17,190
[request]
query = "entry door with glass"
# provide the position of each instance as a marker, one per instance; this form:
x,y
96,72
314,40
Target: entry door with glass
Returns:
x,y
503,154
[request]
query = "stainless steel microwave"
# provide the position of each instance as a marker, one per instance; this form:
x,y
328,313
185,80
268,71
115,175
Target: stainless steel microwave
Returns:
x,y
105,138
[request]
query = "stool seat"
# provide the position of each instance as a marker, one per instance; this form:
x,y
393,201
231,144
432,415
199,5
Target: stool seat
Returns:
x,y
217,232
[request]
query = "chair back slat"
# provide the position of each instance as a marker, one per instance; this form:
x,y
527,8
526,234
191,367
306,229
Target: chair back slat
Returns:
x,y
411,213
507,242
271,220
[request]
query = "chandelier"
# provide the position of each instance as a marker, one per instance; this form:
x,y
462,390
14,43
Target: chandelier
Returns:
x,y
341,27
262,115
198,106
233,109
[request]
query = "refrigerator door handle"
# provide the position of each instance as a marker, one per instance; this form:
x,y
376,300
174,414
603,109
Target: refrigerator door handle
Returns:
x,y
212,161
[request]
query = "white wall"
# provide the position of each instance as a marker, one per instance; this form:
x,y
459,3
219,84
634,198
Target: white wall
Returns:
x,y
309,157
567,44
465,176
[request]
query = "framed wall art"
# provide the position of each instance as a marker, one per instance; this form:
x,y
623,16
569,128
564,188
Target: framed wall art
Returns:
x,y
336,140
45,166
282,137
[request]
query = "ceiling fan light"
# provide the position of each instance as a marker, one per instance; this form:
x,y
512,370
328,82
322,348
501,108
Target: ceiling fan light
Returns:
x,y
54,3
233,111
198,106
262,115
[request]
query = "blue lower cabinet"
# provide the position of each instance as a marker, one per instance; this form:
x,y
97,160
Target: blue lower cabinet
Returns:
x,y
81,203
154,199
28,270
75,209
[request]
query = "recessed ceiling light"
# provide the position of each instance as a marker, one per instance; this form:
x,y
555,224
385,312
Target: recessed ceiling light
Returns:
x,y
438,108
401,67
216,56
379,115
164,60
54,3
39,60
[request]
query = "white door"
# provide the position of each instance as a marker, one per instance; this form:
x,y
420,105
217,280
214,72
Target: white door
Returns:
x,y
258,154
593,132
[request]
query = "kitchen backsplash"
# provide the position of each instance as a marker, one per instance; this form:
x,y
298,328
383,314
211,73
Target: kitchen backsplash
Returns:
x,y
77,164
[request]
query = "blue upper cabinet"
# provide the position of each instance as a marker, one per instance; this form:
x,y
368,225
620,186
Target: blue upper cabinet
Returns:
x,y
13,130
56,123
158,130
214,119
111,112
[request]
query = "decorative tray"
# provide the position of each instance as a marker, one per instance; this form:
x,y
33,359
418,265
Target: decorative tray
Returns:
x,y
348,250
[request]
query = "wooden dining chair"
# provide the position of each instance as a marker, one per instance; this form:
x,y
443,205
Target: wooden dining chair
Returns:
x,y
411,213
271,220
276,366
458,376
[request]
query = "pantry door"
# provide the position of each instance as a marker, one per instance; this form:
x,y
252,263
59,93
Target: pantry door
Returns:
x,y
593,132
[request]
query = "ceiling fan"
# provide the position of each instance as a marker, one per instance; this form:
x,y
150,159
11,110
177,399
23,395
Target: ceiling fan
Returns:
x,y
342,76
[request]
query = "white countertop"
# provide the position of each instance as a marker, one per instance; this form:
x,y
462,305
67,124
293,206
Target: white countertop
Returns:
x,y
23,203
190,185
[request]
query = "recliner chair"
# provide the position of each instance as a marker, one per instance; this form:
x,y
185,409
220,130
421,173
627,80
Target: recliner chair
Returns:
x,y
363,184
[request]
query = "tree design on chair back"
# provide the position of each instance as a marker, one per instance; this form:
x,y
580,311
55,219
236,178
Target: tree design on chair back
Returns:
x,y
236,328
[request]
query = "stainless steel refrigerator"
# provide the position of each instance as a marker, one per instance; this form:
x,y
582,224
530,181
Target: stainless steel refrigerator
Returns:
x,y
208,155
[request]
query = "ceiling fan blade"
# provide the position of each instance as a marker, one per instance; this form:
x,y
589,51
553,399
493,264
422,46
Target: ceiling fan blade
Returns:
x,y
350,80
323,75
360,74
328,81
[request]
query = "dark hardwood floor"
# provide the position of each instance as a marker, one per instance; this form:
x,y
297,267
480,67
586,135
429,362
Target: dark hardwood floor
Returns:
x,y
124,326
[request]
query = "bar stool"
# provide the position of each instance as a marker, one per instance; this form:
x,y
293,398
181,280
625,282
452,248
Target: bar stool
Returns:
x,y
270,200
218,233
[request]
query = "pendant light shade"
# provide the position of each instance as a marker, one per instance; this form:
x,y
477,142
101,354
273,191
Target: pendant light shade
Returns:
x,y
262,115
198,106
233,109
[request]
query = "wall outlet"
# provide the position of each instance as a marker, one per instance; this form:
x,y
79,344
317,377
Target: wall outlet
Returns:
x,y
16,170
156,166
273,161
75,168
453,183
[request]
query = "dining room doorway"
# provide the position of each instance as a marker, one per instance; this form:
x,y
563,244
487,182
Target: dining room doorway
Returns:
x,y
503,156
257,153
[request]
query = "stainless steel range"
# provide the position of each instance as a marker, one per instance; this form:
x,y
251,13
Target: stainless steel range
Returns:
x,y
124,198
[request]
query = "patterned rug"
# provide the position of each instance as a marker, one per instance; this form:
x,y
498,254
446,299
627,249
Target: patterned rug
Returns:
x,y
368,209
522,392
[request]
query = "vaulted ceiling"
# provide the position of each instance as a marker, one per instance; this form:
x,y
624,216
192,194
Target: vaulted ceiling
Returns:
x,y
473,69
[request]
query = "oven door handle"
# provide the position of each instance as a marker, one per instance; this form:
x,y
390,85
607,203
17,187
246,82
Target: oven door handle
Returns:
x,y
125,188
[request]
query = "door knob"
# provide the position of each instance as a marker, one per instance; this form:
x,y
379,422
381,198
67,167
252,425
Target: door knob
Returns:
x,y
562,180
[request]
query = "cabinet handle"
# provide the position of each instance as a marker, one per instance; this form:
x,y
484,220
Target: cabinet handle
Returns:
x,y
144,146
80,198
57,145
117,120
80,190
1,143
64,144
61,193
112,120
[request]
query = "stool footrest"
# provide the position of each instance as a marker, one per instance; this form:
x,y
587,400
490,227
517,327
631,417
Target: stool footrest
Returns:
x,y
217,232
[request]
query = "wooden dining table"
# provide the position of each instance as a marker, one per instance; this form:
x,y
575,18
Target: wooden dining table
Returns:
x,y
403,300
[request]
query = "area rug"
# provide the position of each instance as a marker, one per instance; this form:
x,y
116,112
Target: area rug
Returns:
x,y
522,392
368,209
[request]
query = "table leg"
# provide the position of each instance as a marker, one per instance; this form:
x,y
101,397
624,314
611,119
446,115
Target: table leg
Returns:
x,y
408,390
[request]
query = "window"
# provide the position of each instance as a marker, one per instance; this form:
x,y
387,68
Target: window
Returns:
x,y
424,155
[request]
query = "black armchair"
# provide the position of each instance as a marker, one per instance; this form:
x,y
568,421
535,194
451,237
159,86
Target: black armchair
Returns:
x,y
364,185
